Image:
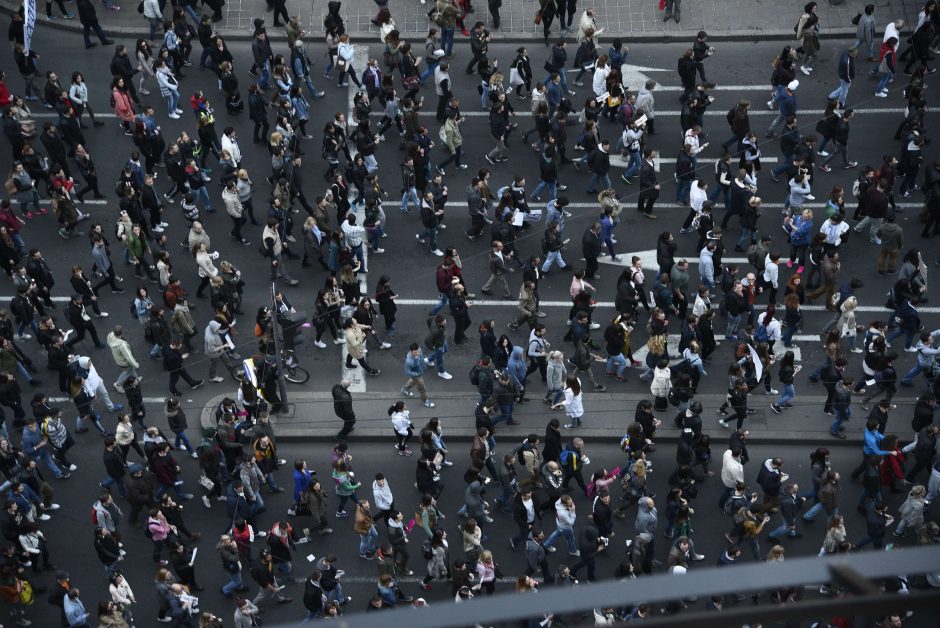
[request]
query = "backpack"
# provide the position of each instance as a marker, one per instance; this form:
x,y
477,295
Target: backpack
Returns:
x,y
94,516
752,255
441,134
133,310
760,334
475,374
77,370
564,457
730,116
426,550
518,450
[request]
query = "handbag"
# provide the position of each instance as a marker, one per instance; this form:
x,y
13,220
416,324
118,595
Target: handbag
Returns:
x,y
27,596
410,82
341,64
514,77
206,483
538,17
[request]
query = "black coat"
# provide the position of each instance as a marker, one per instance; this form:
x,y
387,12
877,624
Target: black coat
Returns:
x,y
342,403
590,244
86,12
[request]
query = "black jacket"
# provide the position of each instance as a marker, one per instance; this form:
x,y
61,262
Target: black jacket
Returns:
x,y
342,403
648,180
590,244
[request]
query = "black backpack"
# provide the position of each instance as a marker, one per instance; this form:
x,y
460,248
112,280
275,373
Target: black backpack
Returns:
x,y
730,116
475,374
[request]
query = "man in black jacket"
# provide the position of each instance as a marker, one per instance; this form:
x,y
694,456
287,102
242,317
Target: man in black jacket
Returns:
x,y
526,512
649,186
173,364
599,162
591,249
81,322
342,406
589,544
313,596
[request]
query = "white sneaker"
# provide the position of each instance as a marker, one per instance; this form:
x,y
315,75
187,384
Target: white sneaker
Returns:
x,y
386,345
22,336
770,104
379,251
809,197
178,111
206,502
174,116
319,344
44,517
881,94
438,252
72,467
52,506
339,341
445,375
595,326
216,379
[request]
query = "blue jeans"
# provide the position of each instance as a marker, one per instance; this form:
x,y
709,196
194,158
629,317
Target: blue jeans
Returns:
x,y
485,96
871,46
182,438
410,196
42,455
734,321
555,395
619,361
431,236
505,413
568,533
553,257
447,40
375,235
336,595
911,374
787,336
234,583
370,162
883,82
782,530
789,392
440,304
202,194
633,165
264,81
817,508
367,541
842,92
357,251
683,188
908,337
453,158
109,481
841,415
155,24
178,489
747,236
603,180
172,100
428,72
720,189
551,186
437,356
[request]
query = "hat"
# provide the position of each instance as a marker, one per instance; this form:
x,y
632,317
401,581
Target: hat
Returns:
x,y
562,201
918,491
61,575
136,468
792,85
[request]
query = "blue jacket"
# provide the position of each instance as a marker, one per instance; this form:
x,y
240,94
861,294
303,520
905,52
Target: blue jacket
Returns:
x,y
517,365
786,101
910,319
415,366
873,440
30,440
607,228
800,232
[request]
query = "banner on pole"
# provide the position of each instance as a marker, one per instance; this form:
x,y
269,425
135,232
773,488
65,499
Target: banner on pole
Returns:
x,y
29,23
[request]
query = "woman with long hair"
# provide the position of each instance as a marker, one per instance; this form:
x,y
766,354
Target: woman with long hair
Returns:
x,y
786,373
573,402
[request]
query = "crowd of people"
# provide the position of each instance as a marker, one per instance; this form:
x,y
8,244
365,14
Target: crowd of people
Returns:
x,y
238,459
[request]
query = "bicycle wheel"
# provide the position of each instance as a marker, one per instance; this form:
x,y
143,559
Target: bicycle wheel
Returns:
x,y
296,374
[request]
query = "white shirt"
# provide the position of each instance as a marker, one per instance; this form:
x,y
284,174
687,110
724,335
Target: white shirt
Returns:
x,y
697,196
529,509
231,145
833,232
599,83
93,381
691,138
891,31
771,272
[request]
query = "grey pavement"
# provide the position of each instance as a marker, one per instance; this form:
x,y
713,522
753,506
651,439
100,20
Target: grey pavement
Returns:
x,y
628,19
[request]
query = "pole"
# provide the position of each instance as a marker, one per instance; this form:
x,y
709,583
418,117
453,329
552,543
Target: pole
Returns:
x,y
276,328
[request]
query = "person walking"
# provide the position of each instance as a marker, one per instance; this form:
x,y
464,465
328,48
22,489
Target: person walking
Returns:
x,y
123,356
343,408
573,403
846,72
887,60
649,186
89,21
415,365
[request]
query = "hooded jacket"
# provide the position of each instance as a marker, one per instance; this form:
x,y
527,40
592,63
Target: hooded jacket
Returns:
x,y
646,518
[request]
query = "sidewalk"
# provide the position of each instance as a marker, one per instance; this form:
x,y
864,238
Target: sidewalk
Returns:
x,y
631,20
607,415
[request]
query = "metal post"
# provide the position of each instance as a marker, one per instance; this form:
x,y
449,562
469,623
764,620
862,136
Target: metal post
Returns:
x,y
276,328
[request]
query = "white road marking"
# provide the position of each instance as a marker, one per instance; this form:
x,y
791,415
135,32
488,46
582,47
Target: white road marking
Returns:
x,y
151,400
91,201
676,113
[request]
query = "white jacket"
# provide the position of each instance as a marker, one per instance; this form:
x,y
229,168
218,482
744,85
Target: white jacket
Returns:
x,y
231,145
564,518
152,9
599,82
401,421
